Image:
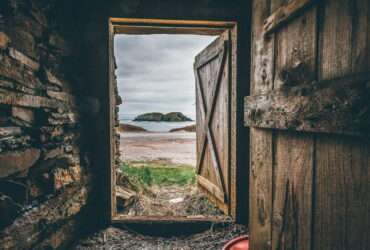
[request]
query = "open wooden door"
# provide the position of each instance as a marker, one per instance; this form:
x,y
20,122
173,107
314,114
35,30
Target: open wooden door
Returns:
x,y
213,88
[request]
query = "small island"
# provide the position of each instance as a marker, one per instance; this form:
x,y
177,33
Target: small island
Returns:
x,y
159,117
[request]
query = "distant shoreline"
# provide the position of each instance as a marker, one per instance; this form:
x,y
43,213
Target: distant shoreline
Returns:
x,y
126,127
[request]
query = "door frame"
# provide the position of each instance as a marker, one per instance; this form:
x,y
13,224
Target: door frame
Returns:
x,y
141,26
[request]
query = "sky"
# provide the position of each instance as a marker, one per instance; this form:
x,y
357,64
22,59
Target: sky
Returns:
x,y
155,72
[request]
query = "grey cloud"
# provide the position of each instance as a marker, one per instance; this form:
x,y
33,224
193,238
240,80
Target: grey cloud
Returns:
x,y
155,73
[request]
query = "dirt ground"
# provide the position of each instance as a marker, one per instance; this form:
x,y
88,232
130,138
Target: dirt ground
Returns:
x,y
177,147
173,201
114,238
172,149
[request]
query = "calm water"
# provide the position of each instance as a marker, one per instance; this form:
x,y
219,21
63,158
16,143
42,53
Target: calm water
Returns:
x,y
154,126
158,126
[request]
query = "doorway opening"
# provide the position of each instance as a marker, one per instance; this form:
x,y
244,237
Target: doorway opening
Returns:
x,y
152,174
157,126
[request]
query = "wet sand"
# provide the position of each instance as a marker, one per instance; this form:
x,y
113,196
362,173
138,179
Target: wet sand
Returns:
x,y
178,147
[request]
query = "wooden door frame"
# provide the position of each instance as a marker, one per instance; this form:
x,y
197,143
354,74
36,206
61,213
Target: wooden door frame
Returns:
x,y
142,26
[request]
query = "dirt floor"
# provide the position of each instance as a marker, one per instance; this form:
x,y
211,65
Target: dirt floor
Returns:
x,y
173,201
178,147
114,238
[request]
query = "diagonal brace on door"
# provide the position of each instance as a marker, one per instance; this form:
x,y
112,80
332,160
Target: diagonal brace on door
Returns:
x,y
208,136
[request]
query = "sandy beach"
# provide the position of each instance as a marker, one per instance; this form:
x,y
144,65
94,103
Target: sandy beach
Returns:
x,y
178,147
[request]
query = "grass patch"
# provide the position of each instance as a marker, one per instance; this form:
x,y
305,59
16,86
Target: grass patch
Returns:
x,y
158,173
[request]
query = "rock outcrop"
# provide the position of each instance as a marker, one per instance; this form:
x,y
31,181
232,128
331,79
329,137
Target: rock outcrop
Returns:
x,y
190,128
130,128
159,117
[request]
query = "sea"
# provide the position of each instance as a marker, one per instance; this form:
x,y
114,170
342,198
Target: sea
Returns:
x,y
153,126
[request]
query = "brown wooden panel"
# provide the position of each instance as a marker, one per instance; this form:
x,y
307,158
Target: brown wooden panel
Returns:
x,y
211,68
260,199
340,106
293,159
342,202
292,191
284,14
261,161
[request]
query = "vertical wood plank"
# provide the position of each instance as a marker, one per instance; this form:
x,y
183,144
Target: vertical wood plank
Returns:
x,y
342,182
111,105
236,182
292,191
293,169
260,199
261,161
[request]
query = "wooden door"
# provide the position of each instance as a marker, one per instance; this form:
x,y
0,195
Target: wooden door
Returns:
x,y
309,118
213,79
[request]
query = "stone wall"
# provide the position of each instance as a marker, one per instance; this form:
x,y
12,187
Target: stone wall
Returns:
x,y
43,171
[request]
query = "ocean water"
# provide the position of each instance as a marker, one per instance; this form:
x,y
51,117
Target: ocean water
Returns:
x,y
154,126
158,126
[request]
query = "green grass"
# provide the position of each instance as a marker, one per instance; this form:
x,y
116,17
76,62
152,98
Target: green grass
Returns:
x,y
161,174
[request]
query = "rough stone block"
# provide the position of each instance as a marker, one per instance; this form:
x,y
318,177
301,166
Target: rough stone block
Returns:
x,y
10,131
62,96
24,232
22,58
53,79
4,40
13,162
53,153
63,177
23,114
18,99
15,71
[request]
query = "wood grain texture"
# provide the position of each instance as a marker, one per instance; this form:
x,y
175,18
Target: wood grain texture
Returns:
x,y
167,26
212,188
212,72
111,194
261,147
292,191
342,200
284,14
260,210
293,152
340,106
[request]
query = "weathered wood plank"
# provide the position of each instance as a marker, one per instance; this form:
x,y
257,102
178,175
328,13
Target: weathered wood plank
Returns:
x,y
293,152
261,146
292,203
213,95
211,188
339,106
341,218
285,14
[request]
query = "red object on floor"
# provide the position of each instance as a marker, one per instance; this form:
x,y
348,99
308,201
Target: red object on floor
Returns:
x,y
239,243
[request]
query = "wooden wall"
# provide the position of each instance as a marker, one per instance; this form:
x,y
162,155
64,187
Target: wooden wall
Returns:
x,y
309,190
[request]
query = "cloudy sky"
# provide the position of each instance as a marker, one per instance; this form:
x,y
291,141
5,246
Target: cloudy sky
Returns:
x,y
155,72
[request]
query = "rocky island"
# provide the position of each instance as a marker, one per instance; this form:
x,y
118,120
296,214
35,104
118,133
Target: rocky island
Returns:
x,y
159,117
